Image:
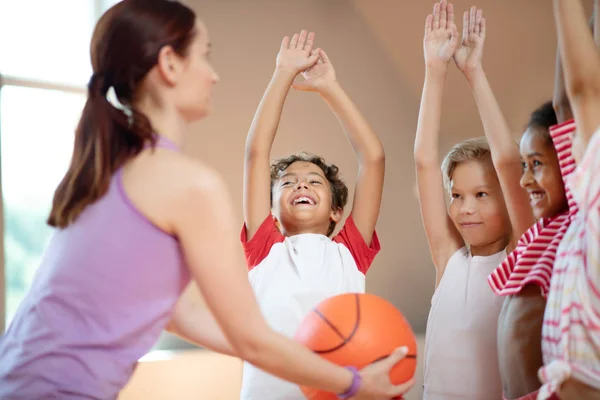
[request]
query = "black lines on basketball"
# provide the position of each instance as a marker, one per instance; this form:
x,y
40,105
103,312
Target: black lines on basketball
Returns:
x,y
345,340
331,325
386,356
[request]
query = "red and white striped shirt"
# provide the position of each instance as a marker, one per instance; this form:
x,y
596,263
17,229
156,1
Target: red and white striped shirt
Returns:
x,y
532,260
571,330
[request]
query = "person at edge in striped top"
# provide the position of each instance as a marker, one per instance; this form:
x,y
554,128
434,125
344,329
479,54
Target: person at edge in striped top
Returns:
x,y
571,326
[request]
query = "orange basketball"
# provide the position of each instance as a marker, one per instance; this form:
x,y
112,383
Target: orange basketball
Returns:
x,y
356,330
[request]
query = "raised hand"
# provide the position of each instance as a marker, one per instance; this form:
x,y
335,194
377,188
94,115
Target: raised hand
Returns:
x,y
441,35
468,56
319,76
296,55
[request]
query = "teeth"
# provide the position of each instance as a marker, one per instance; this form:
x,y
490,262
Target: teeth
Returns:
x,y
304,198
536,195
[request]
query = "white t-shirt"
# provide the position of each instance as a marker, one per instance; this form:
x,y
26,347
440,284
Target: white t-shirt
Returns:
x,y
461,357
290,276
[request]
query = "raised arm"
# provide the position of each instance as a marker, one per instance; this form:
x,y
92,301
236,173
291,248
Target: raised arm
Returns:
x,y
581,65
369,151
294,57
505,152
440,42
204,225
560,100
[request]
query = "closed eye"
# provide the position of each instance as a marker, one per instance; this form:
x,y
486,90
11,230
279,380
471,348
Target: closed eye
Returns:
x,y
287,183
315,182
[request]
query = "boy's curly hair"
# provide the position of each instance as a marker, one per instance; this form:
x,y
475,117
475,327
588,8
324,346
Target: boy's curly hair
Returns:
x,y
339,190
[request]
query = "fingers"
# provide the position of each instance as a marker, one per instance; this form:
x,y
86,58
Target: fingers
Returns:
x,y
294,41
302,39
478,17
403,387
324,57
309,41
436,16
314,58
429,24
316,52
443,14
395,357
450,11
472,16
454,38
465,24
482,28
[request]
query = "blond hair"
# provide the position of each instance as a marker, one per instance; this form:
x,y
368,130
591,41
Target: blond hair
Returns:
x,y
474,149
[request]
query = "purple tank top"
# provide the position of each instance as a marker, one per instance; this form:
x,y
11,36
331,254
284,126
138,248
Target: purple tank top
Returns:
x,y
99,301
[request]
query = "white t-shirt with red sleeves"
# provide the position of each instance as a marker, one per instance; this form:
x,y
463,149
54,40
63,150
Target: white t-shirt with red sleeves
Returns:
x,y
290,276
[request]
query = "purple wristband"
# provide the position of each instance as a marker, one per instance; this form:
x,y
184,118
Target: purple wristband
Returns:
x,y
353,389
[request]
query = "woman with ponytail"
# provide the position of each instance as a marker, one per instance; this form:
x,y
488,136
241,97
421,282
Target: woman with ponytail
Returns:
x,y
145,238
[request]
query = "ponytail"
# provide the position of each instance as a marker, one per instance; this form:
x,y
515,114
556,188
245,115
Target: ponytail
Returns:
x,y
124,48
105,139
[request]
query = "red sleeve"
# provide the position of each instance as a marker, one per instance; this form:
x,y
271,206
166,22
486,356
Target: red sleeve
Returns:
x,y
260,245
362,253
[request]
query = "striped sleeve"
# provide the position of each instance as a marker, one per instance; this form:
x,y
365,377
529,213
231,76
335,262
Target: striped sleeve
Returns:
x,y
585,186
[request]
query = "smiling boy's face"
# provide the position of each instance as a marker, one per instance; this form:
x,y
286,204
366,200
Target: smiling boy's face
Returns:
x,y
302,199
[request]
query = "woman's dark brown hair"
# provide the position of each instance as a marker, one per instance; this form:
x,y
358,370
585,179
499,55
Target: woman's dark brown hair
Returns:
x,y
124,48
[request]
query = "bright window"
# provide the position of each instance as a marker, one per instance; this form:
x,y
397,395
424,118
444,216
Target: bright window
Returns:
x,y
47,40
37,128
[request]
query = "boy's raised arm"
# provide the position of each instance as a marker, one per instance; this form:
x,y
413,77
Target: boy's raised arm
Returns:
x,y
294,57
369,151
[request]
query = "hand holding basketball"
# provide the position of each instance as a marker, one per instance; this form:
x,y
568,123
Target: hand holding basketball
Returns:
x,y
367,332
296,55
376,378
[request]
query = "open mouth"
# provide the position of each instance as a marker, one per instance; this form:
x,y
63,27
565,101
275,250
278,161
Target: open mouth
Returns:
x,y
536,196
303,200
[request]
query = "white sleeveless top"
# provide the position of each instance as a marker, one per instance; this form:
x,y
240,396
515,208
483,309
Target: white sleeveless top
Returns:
x,y
461,358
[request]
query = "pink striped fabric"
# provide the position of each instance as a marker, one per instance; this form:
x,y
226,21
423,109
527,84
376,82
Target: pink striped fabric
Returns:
x,y
532,260
571,329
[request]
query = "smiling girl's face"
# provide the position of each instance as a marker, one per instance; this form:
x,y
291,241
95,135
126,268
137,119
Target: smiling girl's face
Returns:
x,y
542,177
